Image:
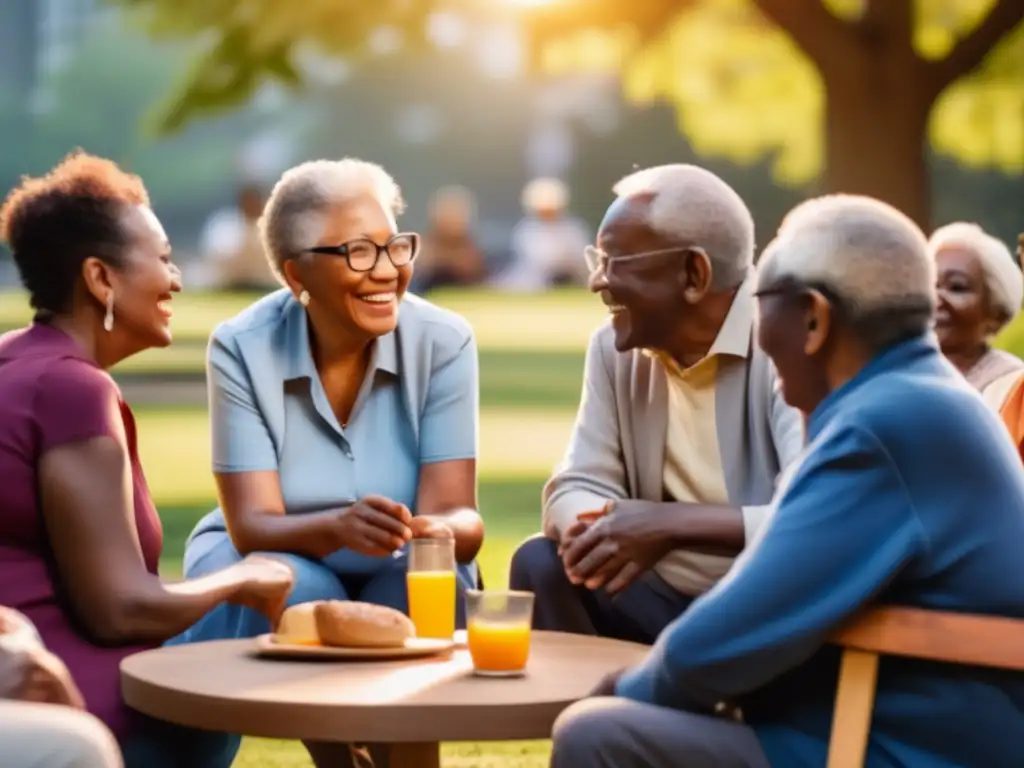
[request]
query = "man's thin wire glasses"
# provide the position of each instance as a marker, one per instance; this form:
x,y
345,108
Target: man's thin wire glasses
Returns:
x,y
362,254
597,258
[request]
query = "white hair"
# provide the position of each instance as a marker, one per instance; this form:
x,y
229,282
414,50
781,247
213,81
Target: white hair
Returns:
x,y
545,194
693,207
870,256
292,219
1003,276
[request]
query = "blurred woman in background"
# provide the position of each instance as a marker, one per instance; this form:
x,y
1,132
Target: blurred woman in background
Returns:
x,y
80,539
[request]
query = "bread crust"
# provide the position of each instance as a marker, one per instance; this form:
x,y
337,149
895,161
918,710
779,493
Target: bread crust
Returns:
x,y
347,624
298,626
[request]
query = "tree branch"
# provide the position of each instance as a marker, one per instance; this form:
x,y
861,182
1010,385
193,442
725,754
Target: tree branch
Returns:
x,y
972,49
812,27
889,21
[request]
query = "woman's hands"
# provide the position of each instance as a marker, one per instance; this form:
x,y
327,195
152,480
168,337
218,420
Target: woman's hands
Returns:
x,y
266,584
375,526
378,526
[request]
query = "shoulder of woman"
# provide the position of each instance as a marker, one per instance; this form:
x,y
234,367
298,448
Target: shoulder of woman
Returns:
x,y
77,380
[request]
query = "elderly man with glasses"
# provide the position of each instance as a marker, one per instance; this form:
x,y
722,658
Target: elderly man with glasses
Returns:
x,y
681,430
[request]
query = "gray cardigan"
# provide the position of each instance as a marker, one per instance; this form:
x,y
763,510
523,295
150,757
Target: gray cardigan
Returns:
x,y
618,442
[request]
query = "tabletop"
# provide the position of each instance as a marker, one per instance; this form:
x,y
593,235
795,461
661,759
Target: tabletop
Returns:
x,y
222,686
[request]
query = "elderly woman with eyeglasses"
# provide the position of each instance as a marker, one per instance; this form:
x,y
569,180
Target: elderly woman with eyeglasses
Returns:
x,y
343,411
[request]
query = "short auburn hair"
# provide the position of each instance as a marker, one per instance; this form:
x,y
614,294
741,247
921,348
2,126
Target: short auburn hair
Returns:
x,y
54,222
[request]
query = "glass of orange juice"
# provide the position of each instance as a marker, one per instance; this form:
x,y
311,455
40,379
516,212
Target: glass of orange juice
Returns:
x,y
499,631
431,584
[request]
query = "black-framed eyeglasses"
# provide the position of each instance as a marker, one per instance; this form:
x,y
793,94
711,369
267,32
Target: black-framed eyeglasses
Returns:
x,y
362,254
596,258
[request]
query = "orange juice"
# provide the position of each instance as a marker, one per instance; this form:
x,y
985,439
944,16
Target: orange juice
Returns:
x,y
432,603
499,647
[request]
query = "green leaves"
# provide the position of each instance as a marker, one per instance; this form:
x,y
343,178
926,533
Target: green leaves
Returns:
x,y
742,88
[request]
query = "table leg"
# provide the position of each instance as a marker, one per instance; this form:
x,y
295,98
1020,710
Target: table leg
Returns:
x,y
422,754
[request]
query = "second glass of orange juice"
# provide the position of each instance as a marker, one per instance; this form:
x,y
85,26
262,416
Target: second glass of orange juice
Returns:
x,y
431,585
499,631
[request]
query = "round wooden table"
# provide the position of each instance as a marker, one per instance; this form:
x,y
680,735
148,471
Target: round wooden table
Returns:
x,y
413,705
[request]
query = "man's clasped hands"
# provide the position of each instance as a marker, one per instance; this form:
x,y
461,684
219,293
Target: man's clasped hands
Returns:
x,y
615,545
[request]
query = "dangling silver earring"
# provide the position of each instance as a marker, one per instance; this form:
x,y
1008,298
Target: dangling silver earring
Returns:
x,y
108,319
304,298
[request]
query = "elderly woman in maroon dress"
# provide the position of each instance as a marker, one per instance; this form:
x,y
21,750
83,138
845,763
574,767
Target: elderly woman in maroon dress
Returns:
x,y
80,538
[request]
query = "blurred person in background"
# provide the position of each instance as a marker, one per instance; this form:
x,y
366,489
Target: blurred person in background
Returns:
x,y
42,722
344,412
450,255
231,253
80,537
980,291
547,243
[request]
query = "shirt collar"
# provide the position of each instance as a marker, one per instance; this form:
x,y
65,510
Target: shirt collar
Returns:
x,y
733,337
299,361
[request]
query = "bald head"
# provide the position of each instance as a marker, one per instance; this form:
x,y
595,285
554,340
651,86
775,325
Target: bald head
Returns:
x,y
686,206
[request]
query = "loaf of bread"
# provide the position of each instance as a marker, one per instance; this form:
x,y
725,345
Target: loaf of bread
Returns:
x,y
361,625
298,626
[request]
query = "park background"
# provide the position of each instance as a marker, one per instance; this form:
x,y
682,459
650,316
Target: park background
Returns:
x,y
920,103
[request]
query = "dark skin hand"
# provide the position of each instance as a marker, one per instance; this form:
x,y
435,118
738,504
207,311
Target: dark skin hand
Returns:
x,y
87,504
606,686
255,514
613,549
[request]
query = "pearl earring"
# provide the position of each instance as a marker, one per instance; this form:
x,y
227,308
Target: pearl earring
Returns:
x,y
108,319
304,298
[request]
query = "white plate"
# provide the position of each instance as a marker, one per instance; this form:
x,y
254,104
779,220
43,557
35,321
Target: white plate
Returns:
x,y
416,647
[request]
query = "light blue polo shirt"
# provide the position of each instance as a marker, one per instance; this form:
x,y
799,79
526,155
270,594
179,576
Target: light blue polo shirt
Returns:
x,y
418,404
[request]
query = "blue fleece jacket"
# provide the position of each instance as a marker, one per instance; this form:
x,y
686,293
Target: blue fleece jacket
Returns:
x,y
909,492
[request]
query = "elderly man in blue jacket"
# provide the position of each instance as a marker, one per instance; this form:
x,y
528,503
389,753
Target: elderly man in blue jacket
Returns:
x,y
909,492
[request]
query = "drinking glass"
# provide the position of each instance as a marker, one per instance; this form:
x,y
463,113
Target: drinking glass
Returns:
x,y
431,584
499,631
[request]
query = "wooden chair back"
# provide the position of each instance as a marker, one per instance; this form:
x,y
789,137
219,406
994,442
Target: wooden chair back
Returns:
x,y
953,638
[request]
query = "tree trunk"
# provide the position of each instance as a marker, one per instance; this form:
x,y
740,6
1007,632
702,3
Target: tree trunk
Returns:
x,y
876,122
